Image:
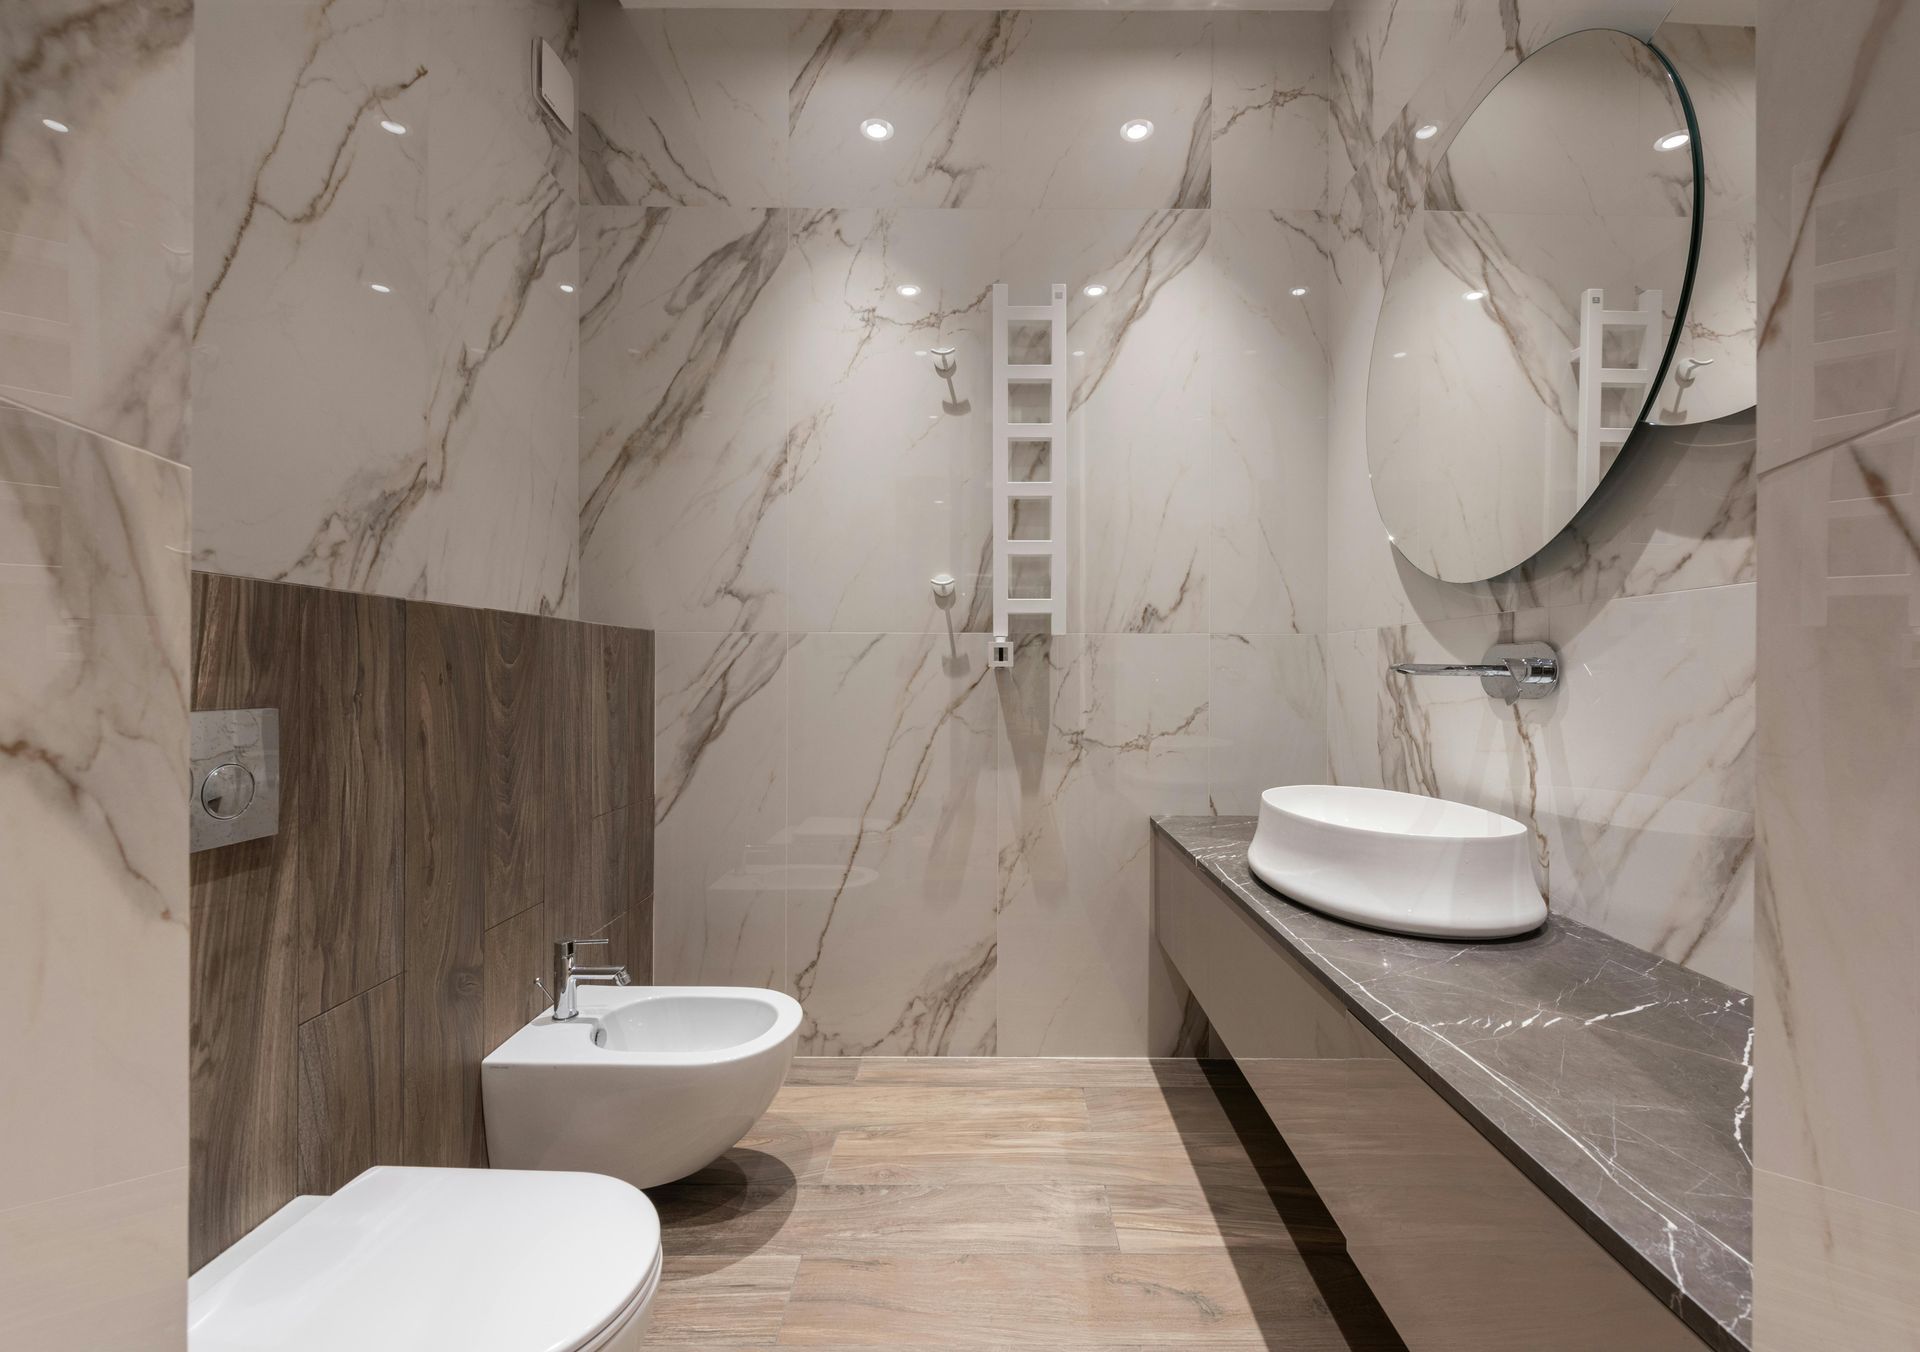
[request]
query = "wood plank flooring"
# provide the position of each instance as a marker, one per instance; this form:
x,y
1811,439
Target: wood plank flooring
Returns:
x,y
1010,1203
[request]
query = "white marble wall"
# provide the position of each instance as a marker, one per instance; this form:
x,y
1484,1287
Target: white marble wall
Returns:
x,y
418,441
937,857
93,894
96,200
1837,1224
1637,776
96,214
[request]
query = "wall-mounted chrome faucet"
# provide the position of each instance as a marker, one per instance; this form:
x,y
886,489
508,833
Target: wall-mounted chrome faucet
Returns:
x,y
1510,671
567,977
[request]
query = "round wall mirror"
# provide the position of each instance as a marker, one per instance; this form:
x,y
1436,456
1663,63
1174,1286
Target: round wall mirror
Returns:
x,y
1531,313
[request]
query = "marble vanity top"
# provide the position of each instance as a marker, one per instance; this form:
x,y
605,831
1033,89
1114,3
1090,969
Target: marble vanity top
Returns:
x,y
1620,1083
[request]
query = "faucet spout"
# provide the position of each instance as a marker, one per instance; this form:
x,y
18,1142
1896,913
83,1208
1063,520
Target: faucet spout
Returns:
x,y
567,977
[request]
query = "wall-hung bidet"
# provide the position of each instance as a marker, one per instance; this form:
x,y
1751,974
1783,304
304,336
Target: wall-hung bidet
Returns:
x,y
438,1260
648,1083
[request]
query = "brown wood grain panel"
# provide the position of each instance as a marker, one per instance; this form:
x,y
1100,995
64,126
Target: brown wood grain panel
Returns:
x,y
438,829
559,836
242,1028
513,685
449,806
612,890
517,952
330,663
350,1089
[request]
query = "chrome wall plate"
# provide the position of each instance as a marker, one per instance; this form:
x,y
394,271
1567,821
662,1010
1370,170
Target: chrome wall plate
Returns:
x,y
234,791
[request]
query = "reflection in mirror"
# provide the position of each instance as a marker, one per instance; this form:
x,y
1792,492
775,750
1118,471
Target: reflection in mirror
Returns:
x,y
1714,364
1529,315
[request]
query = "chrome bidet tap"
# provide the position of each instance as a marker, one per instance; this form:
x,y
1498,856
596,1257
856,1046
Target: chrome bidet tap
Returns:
x,y
567,977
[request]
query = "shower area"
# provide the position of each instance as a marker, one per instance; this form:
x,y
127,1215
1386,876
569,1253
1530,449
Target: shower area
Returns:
x,y
821,254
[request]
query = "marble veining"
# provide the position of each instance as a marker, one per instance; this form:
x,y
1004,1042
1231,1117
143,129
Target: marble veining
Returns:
x,y
95,964
1622,1084
938,858
385,327
1838,1186
96,219
1637,784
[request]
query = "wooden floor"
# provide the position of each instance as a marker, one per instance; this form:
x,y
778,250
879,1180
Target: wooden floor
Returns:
x,y
1008,1203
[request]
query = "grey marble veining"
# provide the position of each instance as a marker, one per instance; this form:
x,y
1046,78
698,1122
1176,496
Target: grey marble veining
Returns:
x,y
1618,1082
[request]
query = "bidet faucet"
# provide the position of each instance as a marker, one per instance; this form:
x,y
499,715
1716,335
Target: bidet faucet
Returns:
x,y
567,977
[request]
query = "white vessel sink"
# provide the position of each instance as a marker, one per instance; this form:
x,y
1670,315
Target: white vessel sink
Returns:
x,y
1398,861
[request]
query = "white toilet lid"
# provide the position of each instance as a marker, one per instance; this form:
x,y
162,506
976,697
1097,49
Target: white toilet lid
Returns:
x,y
436,1260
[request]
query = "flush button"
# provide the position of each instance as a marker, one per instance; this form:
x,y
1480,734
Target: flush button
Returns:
x,y
227,791
235,791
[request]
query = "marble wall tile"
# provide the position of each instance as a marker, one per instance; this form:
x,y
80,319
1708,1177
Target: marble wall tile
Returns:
x,y
1831,1269
1071,81
890,913
937,77
1839,223
93,722
1840,718
1266,571
1837,1190
1636,776
310,388
96,216
1270,125
1141,406
1100,732
1266,716
502,423
721,824
1647,752
352,438
685,460
1443,738
877,436
689,107
767,450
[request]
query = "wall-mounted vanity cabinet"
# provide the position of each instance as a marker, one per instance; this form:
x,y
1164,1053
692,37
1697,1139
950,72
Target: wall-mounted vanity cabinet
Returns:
x,y
1462,1247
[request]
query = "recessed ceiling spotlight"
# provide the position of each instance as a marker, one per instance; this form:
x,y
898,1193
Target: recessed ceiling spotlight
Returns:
x,y
1673,140
1298,291
397,128
1426,131
1136,129
908,289
1398,355
567,287
1079,352
376,286
1093,289
1473,295
876,129
55,124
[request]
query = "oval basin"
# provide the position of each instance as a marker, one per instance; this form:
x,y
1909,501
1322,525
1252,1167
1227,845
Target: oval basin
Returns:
x,y
1398,861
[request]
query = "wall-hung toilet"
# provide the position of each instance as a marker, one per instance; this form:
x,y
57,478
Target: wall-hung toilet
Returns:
x,y
647,1083
438,1260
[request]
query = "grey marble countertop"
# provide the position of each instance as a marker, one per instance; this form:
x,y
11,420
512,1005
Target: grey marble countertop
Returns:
x,y
1619,1082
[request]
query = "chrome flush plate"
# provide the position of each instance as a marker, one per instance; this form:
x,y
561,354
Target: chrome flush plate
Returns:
x,y
234,790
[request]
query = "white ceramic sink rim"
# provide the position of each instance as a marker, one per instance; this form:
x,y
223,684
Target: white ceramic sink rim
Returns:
x,y
580,1041
1384,812
1401,862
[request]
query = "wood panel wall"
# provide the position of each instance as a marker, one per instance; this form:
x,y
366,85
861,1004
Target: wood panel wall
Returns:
x,y
460,788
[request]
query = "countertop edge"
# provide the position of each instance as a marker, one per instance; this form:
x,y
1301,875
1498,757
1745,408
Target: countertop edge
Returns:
x,y
1671,1294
